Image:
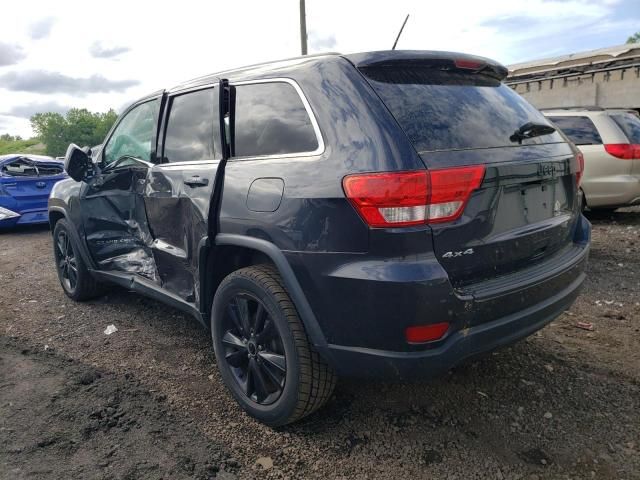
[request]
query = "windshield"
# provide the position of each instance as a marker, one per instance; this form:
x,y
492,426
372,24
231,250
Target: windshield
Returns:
x,y
445,110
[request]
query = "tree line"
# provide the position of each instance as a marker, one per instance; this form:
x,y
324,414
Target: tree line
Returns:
x,y
78,125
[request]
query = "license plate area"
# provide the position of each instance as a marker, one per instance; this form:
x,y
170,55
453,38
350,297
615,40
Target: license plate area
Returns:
x,y
530,203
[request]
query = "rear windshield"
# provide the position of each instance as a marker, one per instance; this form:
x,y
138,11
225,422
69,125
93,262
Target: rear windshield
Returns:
x,y
446,110
630,125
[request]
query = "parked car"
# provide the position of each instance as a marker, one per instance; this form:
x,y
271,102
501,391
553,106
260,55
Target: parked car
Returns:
x,y
378,214
25,183
609,139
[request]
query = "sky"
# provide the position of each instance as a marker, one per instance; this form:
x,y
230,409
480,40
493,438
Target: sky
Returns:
x,y
55,55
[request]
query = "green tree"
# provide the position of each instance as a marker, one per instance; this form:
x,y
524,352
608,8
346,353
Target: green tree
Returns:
x,y
635,38
79,126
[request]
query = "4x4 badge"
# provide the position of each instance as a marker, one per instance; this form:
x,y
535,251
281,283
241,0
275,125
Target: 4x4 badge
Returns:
x,y
468,251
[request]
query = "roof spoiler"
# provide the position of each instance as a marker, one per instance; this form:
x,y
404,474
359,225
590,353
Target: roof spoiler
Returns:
x,y
448,60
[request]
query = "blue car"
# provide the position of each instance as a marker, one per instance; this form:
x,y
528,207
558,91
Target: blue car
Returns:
x,y
25,184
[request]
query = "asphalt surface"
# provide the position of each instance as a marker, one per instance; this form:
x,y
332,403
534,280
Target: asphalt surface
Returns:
x,y
147,401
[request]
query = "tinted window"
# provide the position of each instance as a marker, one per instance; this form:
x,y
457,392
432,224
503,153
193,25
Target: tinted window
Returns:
x,y
630,125
190,130
135,134
444,110
271,119
580,130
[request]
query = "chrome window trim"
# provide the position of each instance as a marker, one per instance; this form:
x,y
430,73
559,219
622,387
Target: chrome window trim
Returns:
x,y
314,122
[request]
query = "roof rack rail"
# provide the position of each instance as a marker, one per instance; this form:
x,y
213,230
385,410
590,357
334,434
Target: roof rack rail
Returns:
x,y
590,108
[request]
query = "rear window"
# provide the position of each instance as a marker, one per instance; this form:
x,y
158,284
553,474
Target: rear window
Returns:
x,y
445,110
580,130
271,119
630,125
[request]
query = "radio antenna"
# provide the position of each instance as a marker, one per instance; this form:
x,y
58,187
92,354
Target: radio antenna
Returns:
x,y
400,32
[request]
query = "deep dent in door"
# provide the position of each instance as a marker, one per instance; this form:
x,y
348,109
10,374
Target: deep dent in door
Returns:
x,y
115,219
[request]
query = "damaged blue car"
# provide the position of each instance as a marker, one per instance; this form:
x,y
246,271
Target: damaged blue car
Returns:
x,y
25,183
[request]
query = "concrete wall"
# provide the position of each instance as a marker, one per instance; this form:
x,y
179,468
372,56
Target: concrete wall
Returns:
x,y
618,88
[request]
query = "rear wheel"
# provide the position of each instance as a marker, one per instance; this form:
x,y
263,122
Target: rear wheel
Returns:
x,y
74,277
262,350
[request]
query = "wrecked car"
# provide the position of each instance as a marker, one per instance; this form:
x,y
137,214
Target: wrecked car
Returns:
x,y
385,214
25,183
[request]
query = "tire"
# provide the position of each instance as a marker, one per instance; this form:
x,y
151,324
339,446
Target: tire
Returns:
x,y
75,279
256,331
583,201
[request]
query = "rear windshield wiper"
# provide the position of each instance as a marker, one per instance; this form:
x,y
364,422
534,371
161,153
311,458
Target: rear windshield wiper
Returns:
x,y
530,130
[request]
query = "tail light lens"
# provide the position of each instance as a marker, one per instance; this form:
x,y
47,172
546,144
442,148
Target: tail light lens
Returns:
x,y
580,171
625,151
412,198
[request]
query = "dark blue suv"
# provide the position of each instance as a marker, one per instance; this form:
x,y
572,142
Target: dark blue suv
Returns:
x,y
377,214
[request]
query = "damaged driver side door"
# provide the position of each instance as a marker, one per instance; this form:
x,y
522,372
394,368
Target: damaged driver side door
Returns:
x,y
113,211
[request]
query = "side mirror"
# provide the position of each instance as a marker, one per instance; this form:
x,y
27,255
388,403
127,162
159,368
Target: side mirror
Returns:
x,y
77,163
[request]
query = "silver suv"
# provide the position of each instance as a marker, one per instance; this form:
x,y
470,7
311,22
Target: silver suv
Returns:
x,y
610,142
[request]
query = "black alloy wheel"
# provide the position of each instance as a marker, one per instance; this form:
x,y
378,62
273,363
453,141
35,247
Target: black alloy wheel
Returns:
x,y
254,350
262,351
74,276
66,261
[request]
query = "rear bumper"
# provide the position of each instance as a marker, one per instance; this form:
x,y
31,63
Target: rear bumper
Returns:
x,y
618,191
364,320
460,346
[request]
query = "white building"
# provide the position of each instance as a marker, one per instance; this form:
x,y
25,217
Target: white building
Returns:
x,y
607,77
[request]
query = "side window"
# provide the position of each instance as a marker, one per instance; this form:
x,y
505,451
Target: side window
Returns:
x,y
270,119
580,130
630,125
135,134
191,127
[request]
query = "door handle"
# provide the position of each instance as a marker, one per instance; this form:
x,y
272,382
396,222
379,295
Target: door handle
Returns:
x,y
196,181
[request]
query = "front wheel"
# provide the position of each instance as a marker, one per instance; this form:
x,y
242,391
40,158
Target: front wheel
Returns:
x,y
74,277
262,350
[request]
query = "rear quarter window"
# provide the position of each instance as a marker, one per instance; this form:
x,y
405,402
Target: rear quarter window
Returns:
x,y
270,119
580,130
630,125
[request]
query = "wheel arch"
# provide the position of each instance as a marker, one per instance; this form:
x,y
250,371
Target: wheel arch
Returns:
x,y
55,215
58,213
238,251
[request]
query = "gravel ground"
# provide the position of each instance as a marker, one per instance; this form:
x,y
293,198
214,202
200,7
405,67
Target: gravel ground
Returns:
x,y
147,401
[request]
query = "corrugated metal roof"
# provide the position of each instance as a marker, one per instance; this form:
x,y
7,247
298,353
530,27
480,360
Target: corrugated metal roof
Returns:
x,y
576,59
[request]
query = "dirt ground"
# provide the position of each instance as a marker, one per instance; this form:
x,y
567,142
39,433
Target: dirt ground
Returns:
x,y
147,401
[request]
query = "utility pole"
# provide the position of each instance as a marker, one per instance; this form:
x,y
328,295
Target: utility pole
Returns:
x,y
303,28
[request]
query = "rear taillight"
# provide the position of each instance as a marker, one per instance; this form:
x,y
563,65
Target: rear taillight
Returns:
x,y
412,198
580,171
625,151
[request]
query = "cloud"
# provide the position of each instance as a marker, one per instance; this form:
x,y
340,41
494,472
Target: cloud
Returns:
x,y
319,42
42,81
10,54
41,28
97,50
29,109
